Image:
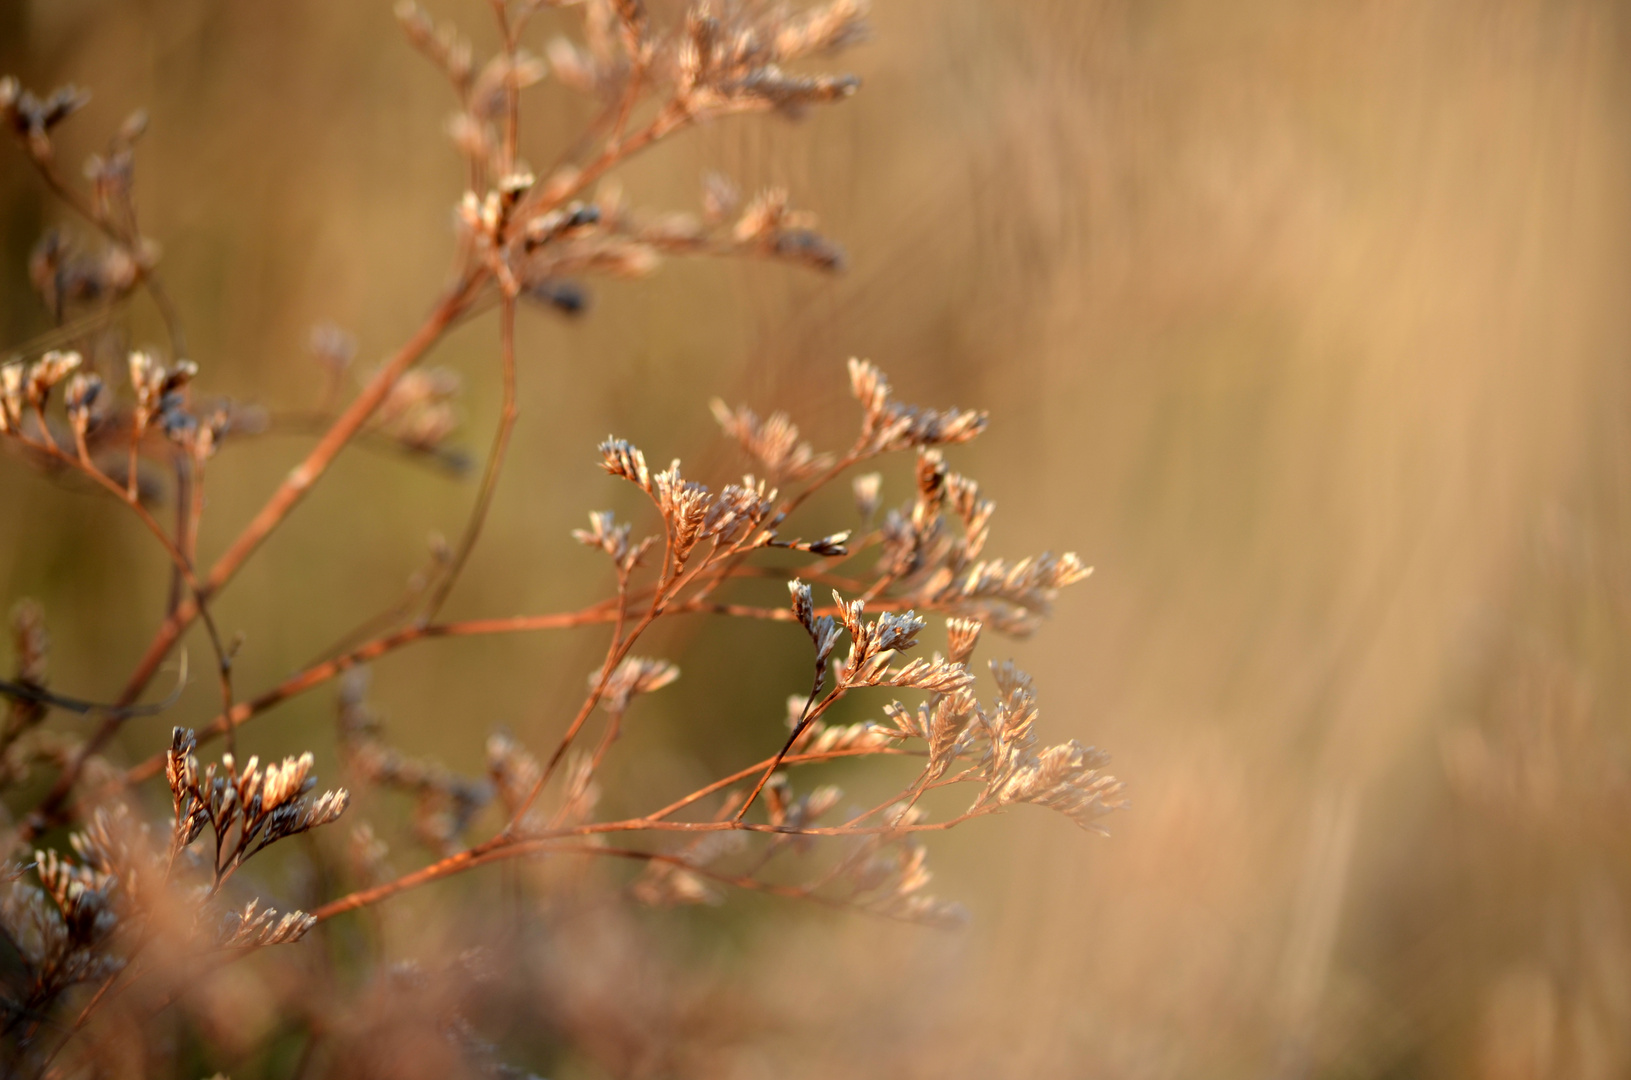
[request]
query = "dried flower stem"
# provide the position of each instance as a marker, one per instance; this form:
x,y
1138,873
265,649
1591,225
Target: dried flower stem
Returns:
x,y
324,671
508,412
615,652
178,558
287,496
615,721
522,239
147,274
362,407
454,305
806,718
739,881
501,847
506,846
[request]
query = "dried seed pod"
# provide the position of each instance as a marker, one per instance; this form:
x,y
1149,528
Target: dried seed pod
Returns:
x,y
46,373
83,391
635,675
774,442
623,459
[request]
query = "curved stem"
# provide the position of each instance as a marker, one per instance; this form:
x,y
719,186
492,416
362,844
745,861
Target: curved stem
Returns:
x,y
495,464
317,674
806,718
504,846
179,559
303,476
287,496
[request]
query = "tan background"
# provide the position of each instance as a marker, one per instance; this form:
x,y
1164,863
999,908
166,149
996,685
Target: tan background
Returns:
x,y
1305,323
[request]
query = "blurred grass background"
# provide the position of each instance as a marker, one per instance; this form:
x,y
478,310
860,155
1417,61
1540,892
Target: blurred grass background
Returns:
x,y
1306,324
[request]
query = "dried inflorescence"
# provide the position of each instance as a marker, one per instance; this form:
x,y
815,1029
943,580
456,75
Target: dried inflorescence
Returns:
x,y
773,442
33,117
246,809
131,420
636,675
534,234
69,278
59,933
963,741
93,913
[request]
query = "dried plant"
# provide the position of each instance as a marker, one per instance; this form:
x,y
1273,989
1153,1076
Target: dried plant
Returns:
x,y
146,905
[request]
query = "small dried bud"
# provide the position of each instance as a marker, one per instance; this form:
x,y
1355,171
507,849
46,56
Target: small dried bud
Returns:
x,y
635,675
145,375
936,676
867,490
931,478
869,386
134,127
685,506
159,392
47,372
606,534
255,928
830,546
83,390
961,637
623,459
774,441
282,783
720,198
569,220
803,605
896,631
565,297
762,216
516,184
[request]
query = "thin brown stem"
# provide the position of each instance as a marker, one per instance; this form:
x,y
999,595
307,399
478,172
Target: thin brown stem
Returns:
x,y
183,566
615,720
806,718
287,496
184,532
303,476
512,93
317,674
616,650
320,673
508,412
667,121
133,466
742,774
504,846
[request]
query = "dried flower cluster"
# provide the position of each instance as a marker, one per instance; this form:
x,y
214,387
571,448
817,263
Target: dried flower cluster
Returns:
x,y
143,907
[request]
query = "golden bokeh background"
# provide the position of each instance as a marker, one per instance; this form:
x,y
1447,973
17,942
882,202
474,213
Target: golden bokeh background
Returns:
x,y
1307,324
